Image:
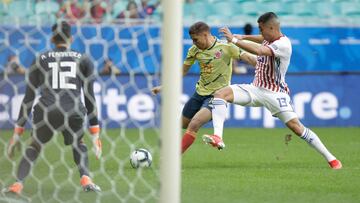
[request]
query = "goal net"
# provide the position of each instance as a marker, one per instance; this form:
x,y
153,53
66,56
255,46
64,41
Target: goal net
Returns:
x,y
128,114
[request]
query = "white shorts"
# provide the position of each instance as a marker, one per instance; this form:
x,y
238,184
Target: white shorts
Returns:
x,y
278,103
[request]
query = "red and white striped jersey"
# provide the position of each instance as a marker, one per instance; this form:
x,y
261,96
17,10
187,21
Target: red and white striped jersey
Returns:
x,y
270,70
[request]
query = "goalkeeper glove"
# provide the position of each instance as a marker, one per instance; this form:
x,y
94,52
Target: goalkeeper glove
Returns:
x,y
97,146
15,141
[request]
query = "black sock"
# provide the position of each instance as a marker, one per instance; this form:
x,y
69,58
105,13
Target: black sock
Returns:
x,y
81,158
27,162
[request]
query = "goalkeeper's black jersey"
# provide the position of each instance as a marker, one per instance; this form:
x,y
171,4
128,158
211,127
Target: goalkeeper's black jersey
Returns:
x,y
60,74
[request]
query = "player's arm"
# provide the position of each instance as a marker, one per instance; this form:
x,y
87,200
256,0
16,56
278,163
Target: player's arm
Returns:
x,y
252,48
248,58
25,109
88,86
254,38
157,89
238,53
90,103
30,93
186,69
189,61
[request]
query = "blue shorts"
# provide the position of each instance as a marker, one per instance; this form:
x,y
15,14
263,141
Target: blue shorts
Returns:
x,y
195,103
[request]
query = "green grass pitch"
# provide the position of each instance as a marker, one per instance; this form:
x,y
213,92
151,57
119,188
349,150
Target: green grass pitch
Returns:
x,y
256,166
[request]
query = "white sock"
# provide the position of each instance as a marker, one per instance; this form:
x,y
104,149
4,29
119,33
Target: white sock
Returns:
x,y
218,115
313,140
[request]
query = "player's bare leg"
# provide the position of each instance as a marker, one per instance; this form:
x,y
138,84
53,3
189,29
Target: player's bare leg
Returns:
x,y
201,117
313,140
185,122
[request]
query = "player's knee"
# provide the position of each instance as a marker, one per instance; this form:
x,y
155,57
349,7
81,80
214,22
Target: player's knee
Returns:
x,y
35,145
220,94
80,144
223,93
295,126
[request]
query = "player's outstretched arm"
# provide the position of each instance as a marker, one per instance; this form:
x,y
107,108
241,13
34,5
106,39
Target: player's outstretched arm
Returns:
x,y
156,90
248,58
25,109
254,38
251,48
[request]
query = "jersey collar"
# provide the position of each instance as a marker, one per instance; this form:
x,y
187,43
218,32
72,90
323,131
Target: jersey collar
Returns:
x,y
277,38
212,44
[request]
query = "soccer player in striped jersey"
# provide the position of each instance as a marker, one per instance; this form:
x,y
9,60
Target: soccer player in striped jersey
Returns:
x,y
268,88
59,74
215,60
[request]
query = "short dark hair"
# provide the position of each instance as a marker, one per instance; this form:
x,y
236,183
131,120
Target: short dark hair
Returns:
x,y
199,27
266,17
61,32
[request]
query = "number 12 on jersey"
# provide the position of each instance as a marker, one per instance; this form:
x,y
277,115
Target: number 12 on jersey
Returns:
x,y
59,78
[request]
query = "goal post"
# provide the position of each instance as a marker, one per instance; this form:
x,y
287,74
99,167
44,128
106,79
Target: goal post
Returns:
x,y
170,160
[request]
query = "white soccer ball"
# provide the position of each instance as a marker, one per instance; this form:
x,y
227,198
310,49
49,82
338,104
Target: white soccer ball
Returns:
x,y
140,158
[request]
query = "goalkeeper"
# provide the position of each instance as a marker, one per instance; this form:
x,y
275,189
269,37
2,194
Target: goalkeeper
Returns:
x,y
215,60
60,74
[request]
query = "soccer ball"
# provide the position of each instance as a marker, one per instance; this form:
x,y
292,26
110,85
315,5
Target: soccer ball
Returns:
x,y
140,158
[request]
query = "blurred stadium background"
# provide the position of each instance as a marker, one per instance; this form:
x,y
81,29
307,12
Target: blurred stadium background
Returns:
x,y
126,36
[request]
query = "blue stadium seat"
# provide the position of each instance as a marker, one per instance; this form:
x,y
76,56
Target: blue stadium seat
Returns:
x,y
325,9
20,8
201,10
250,8
242,19
3,9
350,9
303,9
223,8
49,7
218,19
279,8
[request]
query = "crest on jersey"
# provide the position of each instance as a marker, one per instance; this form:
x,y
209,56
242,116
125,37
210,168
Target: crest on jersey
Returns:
x,y
218,54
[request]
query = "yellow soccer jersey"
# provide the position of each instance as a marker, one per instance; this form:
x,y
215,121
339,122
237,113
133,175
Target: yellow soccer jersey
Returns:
x,y
215,65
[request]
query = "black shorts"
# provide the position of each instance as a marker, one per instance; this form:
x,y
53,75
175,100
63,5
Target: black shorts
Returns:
x,y
195,103
47,121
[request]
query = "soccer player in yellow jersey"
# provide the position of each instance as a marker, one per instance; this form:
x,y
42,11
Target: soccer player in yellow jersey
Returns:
x,y
215,60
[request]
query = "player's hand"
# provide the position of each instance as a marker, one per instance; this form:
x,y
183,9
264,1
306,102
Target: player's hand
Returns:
x,y
15,141
225,32
156,90
97,146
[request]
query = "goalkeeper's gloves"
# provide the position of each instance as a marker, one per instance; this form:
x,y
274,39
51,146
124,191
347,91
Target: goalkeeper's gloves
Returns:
x,y
15,141
97,146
